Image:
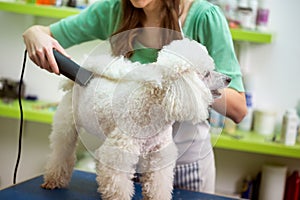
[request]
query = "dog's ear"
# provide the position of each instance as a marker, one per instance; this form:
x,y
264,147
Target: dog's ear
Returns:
x,y
187,98
215,81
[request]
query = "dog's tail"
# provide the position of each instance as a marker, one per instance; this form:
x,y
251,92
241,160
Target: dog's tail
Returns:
x,y
187,98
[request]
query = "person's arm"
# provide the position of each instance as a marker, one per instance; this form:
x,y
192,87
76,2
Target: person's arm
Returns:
x,y
217,38
39,45
97,21
232,104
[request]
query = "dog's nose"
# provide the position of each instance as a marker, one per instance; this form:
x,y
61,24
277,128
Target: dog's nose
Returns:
x,y
228,80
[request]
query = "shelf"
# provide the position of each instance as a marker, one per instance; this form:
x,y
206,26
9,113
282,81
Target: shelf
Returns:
x,y
62,12
251,36
38,10
254,143
36,111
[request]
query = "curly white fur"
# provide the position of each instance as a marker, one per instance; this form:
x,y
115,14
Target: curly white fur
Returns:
x,y
132,107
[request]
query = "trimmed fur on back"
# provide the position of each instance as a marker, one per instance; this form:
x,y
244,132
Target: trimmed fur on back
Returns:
x,y
175,71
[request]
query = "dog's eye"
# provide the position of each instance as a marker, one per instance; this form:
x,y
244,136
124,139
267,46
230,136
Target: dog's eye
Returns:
x,y
207,73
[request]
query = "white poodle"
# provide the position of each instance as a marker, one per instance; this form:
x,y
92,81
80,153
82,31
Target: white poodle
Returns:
x,y
132,107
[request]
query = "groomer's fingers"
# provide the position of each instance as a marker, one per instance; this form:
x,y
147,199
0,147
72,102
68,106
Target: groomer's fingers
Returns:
x,y
50,56
35,59
42,55
33,56
61,50
51,61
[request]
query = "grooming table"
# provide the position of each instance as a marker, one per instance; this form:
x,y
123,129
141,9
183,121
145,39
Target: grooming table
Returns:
x,y
83,186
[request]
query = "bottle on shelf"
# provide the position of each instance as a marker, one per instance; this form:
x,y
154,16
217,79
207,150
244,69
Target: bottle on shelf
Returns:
x,y
246,123
247,188
298,112
45,2
289,128
253,4
72,3
292,186
59,3
216,121
262,16
245,14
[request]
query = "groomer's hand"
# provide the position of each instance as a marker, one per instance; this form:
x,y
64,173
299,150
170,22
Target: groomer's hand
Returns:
x,y
39,44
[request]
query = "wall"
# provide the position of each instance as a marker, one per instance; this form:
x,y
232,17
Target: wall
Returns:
x,y
35,148
275,68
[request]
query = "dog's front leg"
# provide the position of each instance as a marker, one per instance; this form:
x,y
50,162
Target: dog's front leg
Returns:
x,y
117,159
157,165
63,140
157,180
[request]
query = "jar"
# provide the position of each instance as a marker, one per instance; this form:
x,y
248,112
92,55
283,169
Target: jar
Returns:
x,y
264,122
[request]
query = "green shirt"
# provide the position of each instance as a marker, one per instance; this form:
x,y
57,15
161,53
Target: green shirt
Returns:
x,y
204,23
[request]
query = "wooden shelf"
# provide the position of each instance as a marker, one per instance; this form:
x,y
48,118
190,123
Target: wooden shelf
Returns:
x,y
62,12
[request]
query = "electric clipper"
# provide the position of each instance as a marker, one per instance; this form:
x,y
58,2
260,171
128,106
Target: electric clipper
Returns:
x,y
72,70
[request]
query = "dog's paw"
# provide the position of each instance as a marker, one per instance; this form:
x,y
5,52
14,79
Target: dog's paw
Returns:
x,y
48,186
53,184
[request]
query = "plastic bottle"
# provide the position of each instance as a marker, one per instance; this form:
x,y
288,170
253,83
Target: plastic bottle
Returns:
x,y
246,123
59,3
244,14
229,126
262,18
289,127
72,3
298,112
298,108
216,121
292,186
253,4
247,189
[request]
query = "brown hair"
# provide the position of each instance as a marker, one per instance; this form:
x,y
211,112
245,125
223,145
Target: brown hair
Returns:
x,y
132,20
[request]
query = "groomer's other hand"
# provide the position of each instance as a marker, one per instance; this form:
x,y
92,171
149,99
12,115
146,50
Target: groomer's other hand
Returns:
x,y
39,44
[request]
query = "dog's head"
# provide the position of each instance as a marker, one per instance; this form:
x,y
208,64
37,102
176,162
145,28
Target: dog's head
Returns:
x,y
195,84
215,81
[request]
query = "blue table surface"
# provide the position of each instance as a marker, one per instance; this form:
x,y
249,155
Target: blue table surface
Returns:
x,y
83,186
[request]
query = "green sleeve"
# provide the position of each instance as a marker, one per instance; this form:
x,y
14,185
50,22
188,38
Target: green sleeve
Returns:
x,y
98,21
207,25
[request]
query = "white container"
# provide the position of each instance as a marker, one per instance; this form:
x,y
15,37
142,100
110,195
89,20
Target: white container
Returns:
x,y
289,128
272,182
246,123
264,122
253,4
245,14
262,18
298,108
216,121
